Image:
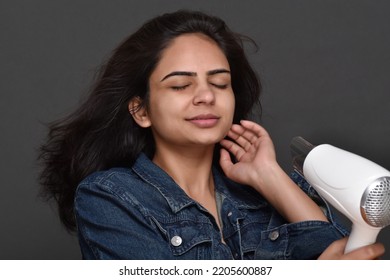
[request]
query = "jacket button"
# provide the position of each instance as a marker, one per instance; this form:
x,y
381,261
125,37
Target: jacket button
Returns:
x,y
176,241
274,235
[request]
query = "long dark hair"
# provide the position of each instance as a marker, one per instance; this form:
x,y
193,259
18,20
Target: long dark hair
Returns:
x,y
102,134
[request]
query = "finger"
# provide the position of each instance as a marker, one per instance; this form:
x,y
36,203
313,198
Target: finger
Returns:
x,y
233,148
246,134
335,250
254,127
369,252
240,140
225,161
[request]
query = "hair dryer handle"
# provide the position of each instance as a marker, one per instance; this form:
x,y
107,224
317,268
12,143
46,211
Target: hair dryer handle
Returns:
x,y
361,235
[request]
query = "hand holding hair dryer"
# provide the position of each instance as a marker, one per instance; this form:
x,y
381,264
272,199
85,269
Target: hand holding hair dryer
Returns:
x,y
357,187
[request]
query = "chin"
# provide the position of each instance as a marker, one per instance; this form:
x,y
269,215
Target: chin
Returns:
x,y
209,140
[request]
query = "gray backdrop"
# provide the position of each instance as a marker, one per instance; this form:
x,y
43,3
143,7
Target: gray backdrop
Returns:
x,y
324,64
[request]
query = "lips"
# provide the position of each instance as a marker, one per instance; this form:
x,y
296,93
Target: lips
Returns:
x,y
204,120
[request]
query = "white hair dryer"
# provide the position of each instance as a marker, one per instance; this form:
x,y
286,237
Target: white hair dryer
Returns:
x,y
357,187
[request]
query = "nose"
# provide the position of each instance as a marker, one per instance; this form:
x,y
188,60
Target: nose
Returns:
x,y
204,95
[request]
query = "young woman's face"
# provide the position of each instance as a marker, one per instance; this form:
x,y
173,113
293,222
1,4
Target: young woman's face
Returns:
x,y
191,97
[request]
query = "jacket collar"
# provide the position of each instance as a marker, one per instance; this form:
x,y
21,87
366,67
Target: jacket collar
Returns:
x,y
244,196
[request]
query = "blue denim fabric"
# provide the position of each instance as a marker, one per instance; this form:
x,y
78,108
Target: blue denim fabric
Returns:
x,y
141,213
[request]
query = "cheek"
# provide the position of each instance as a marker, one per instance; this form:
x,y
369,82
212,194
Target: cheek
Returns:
x,y
163,113
157,114
228,107
230,104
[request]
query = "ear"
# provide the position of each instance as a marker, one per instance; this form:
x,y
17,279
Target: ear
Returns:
x,y
139,112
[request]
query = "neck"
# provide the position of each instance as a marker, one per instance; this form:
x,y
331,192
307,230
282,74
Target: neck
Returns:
x,y
190,168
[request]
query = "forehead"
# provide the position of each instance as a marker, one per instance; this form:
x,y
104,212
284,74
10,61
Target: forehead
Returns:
x,y
192,52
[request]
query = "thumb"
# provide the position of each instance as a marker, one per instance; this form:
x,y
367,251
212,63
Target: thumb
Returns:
x,y
225,161
335,250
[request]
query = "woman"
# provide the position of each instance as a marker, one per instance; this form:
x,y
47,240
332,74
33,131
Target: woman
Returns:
x,y
160,163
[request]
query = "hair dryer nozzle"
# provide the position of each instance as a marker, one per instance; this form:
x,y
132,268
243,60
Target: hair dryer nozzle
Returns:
x,y
375,203
300,148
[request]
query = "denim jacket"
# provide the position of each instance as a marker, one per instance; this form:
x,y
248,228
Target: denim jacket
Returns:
x,y
141,213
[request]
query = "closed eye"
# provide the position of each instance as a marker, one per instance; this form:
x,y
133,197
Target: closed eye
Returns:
x,y
224,86
179,88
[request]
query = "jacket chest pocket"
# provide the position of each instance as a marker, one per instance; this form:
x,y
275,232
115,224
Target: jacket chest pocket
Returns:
x,y
189,239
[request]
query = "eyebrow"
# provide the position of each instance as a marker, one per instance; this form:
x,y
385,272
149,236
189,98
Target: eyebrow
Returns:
x,y
193,74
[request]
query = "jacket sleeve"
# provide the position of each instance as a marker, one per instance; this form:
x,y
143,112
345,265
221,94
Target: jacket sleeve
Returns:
x,y
113,226
302,240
